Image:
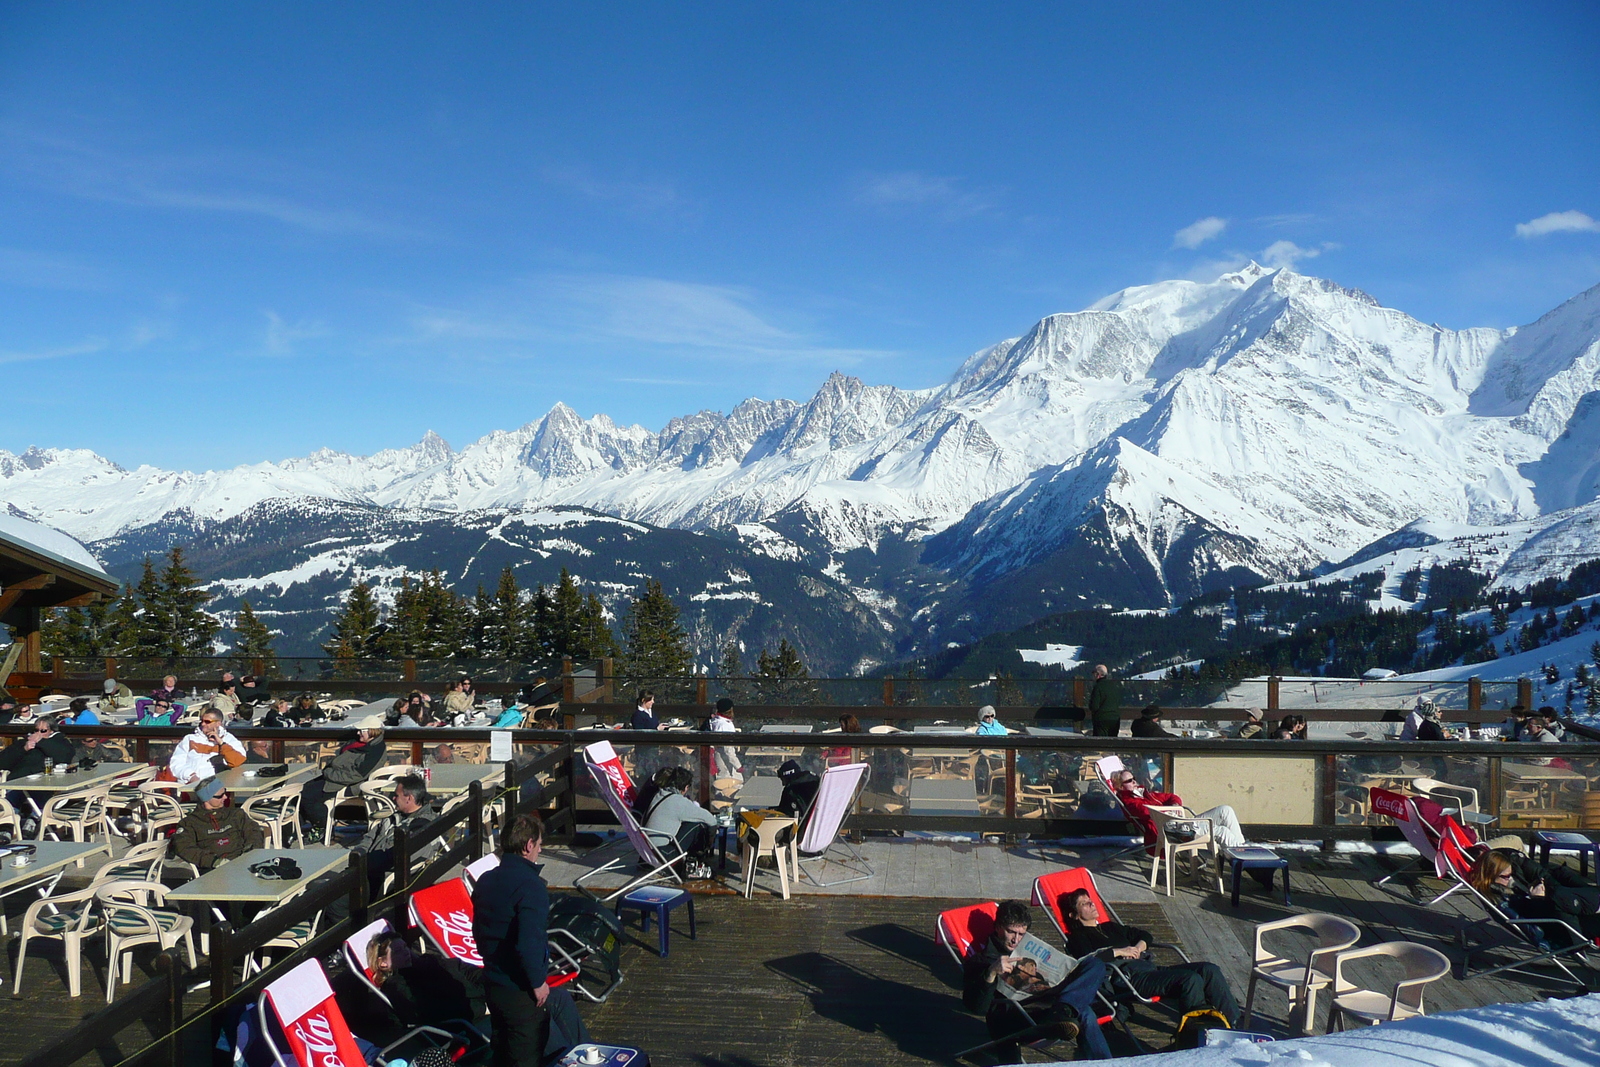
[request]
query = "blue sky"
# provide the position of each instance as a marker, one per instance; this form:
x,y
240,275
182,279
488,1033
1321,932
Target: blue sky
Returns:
x,y
232,233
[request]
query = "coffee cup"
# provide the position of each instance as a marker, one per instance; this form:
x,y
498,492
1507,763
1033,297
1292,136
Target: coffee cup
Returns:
x,y
22,859
592,1054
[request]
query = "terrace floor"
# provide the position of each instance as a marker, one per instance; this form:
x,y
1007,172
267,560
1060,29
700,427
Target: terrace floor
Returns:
x,y
852,974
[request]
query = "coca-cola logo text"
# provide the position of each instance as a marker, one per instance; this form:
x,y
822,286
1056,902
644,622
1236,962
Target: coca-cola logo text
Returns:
x,y
454,930
1390,804
315,1034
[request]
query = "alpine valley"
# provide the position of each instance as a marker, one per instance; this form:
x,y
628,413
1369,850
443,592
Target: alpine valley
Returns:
x,y
1170,440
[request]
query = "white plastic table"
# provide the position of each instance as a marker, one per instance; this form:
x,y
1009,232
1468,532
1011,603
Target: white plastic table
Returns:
x,y
233,881
244,782
65,782
942,796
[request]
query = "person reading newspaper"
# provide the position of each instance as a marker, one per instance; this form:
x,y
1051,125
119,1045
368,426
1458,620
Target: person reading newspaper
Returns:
x,y
1012,967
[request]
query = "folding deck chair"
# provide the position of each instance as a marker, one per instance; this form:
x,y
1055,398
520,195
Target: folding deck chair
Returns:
x,y
1423,821
1526,935
302,1026
478,868
1048,889
662,855
822,820
958,930
462,1033
575,935
1104,768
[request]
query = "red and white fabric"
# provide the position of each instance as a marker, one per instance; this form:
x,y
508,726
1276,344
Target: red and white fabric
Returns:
x,y
313,1027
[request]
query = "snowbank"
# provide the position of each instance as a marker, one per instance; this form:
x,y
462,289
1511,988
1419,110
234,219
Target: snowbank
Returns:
x,y
50,540
1551,1033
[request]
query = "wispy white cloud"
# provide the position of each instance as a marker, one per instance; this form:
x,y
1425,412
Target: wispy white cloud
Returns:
x,y
50,270
914,189
196,182
282,338
83,348
686,318
1199,232
1287,253
642,198
1558,222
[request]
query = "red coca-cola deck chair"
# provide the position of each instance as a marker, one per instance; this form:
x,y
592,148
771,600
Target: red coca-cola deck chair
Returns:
x,y
443,913
662,857
463,1036
1425,825
302,1026
1048,891
961,928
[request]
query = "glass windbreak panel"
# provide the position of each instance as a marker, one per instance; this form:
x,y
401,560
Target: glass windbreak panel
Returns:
x,y
1065,783
1549,793
1499,696
1459,783
309,751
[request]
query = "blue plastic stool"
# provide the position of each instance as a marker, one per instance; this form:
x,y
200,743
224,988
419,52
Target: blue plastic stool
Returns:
x,y
1254,857
1548,841
658,900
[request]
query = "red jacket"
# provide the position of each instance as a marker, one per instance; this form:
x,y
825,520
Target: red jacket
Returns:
x,y
1136,803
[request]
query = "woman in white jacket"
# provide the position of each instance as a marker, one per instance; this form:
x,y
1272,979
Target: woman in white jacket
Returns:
x,y
207,751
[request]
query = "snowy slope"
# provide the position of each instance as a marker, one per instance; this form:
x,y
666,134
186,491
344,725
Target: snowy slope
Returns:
x,y
1181,434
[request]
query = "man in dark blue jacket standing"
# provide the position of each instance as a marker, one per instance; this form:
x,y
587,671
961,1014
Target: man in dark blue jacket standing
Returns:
x,y
511,906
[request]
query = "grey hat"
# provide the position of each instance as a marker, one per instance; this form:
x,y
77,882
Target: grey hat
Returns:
x,y
108,686
208,789
986,712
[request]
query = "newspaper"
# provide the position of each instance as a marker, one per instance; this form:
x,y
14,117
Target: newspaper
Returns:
x,y
1039,969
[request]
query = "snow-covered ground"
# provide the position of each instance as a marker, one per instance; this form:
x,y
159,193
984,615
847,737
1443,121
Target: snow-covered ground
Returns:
x,y
1549,1033
1064,656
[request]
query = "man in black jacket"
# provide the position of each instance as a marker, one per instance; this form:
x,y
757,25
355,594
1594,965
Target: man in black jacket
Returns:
x,y
213,832
533,1024
1148,724
1068,1009
25,756
1184,986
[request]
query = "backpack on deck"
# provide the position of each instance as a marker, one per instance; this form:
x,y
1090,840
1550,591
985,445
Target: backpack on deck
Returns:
x,y
1193,1026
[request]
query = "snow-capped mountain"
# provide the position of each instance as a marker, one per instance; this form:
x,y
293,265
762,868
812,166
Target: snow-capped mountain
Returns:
x,y
1167,439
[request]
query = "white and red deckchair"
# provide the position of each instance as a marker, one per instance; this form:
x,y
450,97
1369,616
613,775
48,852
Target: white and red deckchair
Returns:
x,y
819,832
443,912
662,855
1424,825
462,1033
301,1023
478,868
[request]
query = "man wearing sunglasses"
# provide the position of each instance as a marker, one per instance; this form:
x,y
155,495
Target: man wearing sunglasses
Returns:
x,y
213,832
26,755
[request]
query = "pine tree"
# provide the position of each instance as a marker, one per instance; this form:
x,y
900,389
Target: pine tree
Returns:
x,y
429,621
592,637
355,630
252,639
172,618
504,632
785,679
1500,621
480,628
90,632
732,664
658,647
1592,701
568,623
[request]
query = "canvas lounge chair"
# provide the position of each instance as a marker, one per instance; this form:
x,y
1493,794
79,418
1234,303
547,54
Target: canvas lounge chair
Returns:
x,y
820,841
1049,889
662,856
444,914
461,1032
1530,941
958,930
1423,823
1104,768
301,1025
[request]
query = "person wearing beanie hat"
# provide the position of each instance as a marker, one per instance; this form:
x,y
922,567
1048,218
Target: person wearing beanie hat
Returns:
x,y
1253,726
727,759
348,767
115,697
214,833
989,724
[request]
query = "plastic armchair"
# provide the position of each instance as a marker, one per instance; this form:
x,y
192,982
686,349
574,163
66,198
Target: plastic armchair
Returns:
x,y
773,837
81,813
386,776
124,796
296,936
10,818
276,811
1462,796
69,918
132,920
1422,965
162,810
1168,850
1300,979
374,806
141,863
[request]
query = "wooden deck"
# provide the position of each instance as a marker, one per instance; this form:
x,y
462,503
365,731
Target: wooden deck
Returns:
x,y
852,975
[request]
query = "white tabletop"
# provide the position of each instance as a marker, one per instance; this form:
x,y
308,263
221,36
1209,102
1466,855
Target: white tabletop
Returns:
x,y
1535,772
760,791
786,728
233,881
447,779
64,781
1053,731
48,857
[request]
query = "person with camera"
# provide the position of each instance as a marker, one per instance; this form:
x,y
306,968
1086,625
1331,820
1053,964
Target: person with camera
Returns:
x,y
210,750
214,833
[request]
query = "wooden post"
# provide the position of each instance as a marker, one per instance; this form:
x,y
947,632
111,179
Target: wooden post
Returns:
x,y
1330,796
408,670
358,889
888,692
416,754
111,666
258,667
277,751
1080,691
28,635
221,961
700,696
1011,783
57,669
569,687
475,791
1525,693
1474,695
172,1017
1272,693
1496,787
707,769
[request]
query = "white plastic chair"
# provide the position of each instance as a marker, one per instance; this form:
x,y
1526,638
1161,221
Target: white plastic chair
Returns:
x,y
69,918
276,811
131,921
9,818
1451,796
141,863
1300,979
774,837
374,806
1422,965
1168,850
81,813
296,936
